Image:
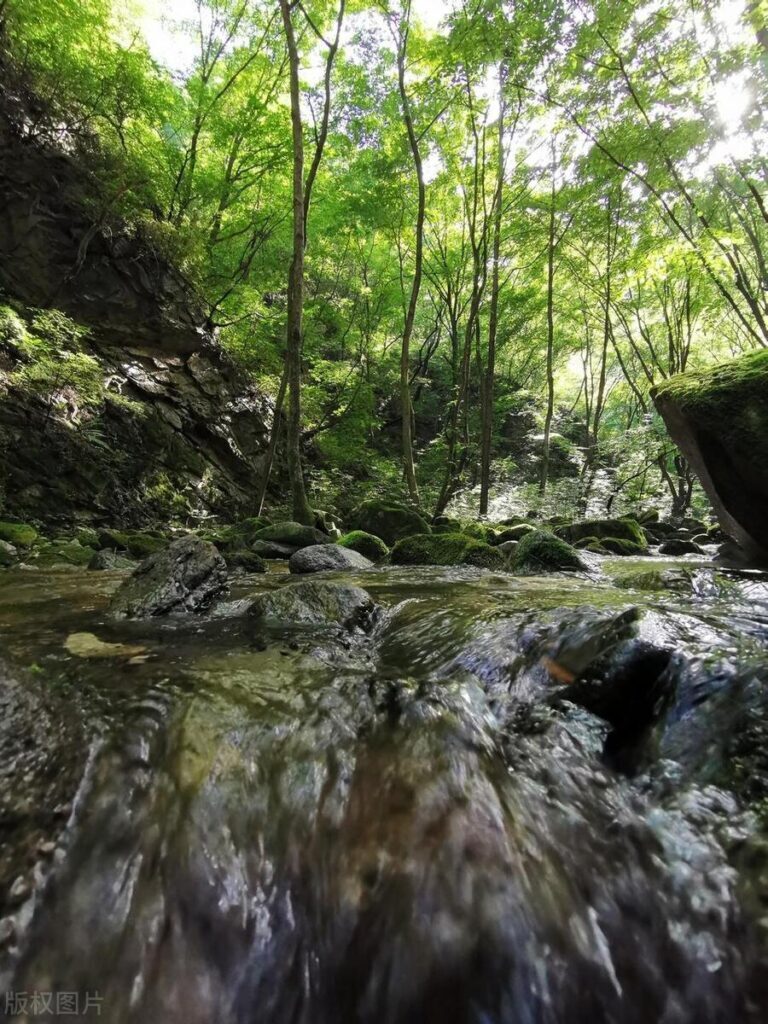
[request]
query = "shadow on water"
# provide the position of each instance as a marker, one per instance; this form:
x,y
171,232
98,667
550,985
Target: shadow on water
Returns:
x,y
516,800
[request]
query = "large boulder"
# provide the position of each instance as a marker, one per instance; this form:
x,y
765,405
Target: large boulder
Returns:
x,y
293,535
446,549
317,603
388,520
185,577
325,557
719,420
542,551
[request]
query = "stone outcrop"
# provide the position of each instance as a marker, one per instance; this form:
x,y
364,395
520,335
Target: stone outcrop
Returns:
x,y
719,420
167,416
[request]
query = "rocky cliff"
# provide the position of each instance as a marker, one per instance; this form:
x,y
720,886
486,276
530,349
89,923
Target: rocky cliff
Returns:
x,y
116,403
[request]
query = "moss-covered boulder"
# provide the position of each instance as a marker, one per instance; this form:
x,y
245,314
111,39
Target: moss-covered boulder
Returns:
x,y
622,546
481,531
676,546
542,551
271,549
446,549
21,535
620,529
365,544
140,545
387,519
516,532
445,524
294,535
719,420
109,561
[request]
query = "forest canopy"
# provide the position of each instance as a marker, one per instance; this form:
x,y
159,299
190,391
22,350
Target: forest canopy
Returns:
x,y
458,243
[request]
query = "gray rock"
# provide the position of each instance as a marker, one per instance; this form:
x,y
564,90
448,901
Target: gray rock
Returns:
x,y
110,560
184,577
318,603
322,557
8,553
272,549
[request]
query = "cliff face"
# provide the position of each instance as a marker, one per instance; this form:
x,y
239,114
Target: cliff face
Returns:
x,y
125,409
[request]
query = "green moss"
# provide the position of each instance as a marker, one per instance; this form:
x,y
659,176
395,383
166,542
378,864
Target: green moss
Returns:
x,y
21,535
12,329
365,544
714,390
542,551
63,552
293,534
445,549
246,561
138,544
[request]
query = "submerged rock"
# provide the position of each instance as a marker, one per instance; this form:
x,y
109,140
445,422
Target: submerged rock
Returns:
x,y
323,557
719,419
318,603
388,520
541,551
366,543
446,549
185,577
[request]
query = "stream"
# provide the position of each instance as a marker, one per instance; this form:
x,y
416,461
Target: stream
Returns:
x,y
513,801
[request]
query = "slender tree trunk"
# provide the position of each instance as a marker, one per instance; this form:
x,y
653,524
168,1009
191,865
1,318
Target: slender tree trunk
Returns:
x,y
493,314
544,475
273,438
302,511
409,469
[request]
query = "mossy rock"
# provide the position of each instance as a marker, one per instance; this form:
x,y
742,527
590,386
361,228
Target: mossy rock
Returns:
x,y
63,552
445,549
679,580
365,544
481,531
621,546
621,529
88,537
444,524
8,554
586,542
245,561
318,603
542,551
292,534
21,535
388,519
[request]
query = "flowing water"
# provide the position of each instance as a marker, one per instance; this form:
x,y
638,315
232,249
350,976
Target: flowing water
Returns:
x,y
515,800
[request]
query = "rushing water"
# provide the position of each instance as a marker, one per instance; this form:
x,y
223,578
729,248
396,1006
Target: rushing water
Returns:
x,y
516,800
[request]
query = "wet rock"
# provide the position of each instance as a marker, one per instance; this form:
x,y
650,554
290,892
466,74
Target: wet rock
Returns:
x,y
271,549
541,551
366,543
446,549
293,535
185,577
317,603
8,553
388,520
678,580
620,546
109,560
324,557
675,546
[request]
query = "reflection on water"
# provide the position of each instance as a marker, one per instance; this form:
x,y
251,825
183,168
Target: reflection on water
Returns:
x,y
224,821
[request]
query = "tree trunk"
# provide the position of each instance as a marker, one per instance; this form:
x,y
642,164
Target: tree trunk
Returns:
x,y
302,511
493,314
544,475
409,469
